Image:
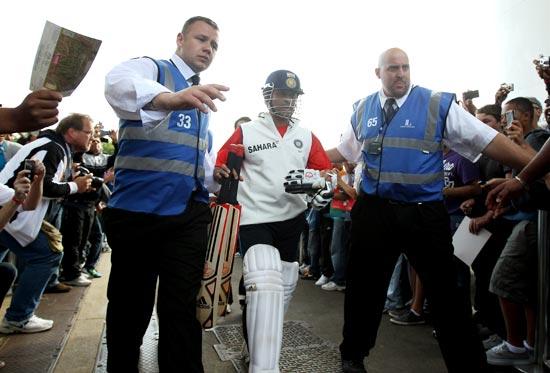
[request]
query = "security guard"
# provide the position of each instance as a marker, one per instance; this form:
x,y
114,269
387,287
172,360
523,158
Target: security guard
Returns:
x,y
398,132
157,218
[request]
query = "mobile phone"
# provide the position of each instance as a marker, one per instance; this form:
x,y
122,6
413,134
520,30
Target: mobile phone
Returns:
x,y
29,165
468,95
509,118
508,87
544,61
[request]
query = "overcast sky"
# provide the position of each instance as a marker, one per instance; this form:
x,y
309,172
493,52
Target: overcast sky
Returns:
x,y
333,47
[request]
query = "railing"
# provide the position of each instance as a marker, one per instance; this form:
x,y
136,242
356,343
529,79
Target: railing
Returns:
x,y
542,356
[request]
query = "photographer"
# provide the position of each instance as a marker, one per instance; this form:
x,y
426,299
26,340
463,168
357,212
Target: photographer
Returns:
x,y
23,235
79,215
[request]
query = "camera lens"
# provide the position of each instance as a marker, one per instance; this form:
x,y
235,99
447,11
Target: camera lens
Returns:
x,y
97,182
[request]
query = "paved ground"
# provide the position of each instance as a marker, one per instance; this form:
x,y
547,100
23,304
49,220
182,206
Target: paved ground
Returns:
x,y
399,349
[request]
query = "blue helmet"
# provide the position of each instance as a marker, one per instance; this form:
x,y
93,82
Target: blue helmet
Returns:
x,y
287,82
284,80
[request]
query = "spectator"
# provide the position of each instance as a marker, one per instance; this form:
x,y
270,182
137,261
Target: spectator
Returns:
x,y
7,150
514,276
341,205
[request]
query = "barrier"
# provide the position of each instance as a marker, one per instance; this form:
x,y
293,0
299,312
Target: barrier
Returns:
x,y
542,361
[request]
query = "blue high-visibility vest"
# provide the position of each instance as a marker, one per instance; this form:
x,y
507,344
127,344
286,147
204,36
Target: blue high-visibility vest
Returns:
x,y
403,159
158,170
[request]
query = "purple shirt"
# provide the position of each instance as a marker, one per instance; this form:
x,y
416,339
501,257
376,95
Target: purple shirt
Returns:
x,y
458,172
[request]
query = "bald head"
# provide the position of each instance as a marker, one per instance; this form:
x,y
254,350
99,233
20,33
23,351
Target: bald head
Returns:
x,y
389,54
393,71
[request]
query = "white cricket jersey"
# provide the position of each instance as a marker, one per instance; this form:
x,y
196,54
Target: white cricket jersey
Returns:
x,y
268,158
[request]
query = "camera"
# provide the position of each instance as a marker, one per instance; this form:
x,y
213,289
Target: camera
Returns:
x,y
97,182
508,87
544,61
29,165
468,95
509,118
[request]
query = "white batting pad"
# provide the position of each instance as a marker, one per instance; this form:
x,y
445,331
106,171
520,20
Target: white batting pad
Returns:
x,y
290,279
264,307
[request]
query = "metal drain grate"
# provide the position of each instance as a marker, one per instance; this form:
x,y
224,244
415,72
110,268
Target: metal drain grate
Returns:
x,y
302,350
148,357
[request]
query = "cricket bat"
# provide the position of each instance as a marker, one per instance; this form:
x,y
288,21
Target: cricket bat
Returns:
x,y
222,240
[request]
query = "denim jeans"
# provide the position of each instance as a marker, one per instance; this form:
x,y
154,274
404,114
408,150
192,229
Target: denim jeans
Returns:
x,y
338,251
39,263
394,297
314,242
96,240
314,251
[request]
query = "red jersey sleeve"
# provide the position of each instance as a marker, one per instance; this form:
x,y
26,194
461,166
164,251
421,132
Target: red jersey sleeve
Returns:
x,y
318,158
236,138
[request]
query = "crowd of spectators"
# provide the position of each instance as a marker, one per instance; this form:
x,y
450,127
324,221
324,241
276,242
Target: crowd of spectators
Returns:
x,y
68,184
52,237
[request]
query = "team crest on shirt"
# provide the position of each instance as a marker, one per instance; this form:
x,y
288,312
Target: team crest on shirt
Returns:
x,y
298,143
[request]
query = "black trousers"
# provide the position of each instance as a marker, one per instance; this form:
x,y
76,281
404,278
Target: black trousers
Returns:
x,y
145,248
486,303
283,235
76,225
380,230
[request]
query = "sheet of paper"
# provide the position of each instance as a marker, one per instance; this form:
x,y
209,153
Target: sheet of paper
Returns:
x,y
62,60
468,245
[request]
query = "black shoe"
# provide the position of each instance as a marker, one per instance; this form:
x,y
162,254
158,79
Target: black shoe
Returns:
x,y
353,366
59,288
408,318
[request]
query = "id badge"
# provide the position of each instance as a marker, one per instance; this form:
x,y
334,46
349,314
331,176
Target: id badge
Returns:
x,y
375,148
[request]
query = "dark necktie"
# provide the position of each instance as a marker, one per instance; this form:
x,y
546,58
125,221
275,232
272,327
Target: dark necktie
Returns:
x,y
390,108
195,79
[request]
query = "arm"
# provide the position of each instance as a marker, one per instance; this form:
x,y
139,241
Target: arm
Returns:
x,y
349,148
465,191
505,151
318,158
335,156
539,165
7,212
53,188
513,188
38,110
131,88
200,97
